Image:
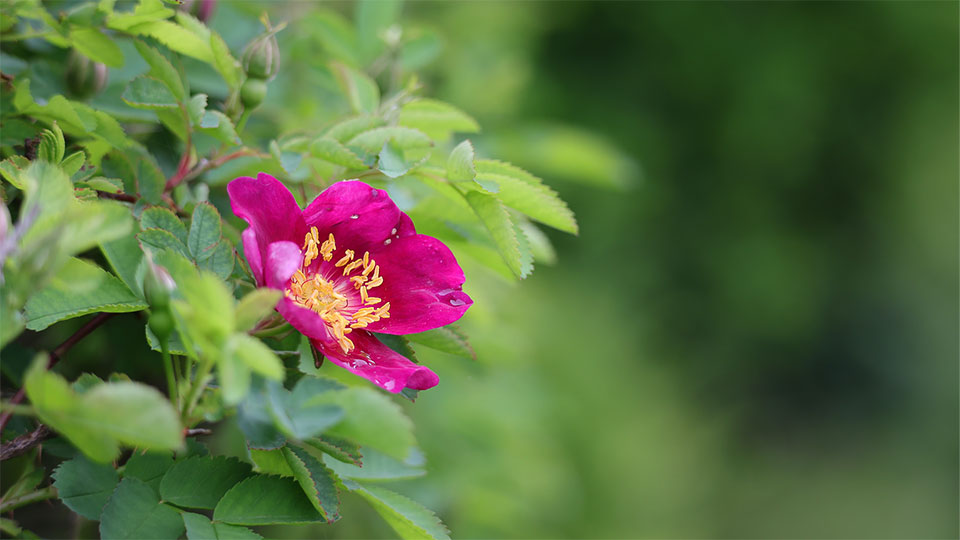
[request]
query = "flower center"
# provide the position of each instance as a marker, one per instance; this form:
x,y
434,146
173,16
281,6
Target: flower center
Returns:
x,y
342,300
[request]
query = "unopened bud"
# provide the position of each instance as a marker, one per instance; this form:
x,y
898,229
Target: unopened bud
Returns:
x,y
85,78
157,286
201,9
261,58
253,92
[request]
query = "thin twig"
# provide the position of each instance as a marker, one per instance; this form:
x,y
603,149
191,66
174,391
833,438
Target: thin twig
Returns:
x,y
7,505
25,442
55,356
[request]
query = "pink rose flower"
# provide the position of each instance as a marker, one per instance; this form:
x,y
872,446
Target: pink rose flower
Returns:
x,y
349,264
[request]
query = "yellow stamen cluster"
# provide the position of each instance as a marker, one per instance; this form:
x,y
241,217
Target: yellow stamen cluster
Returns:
x,y
326,296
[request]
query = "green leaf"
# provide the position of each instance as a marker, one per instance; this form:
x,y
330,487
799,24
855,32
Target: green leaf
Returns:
x,y
196,108
72,163
335,34
449,339
161,218
372,140
329,149
252,353
361,91
150,181
52,146
148,93
540,245
437,119
255,421
256,305
222,261
271,461
347,129
148,467
528,194
96,46
372,419
344,450
200,482
318,482
408,518
399,344
146,11
219,126
420,47
162,70
460,163
497,221
135,512
85,486
378,466
204,231
199,527
133,413
228,66
266,500
391,161
176,38
372,20
79,288
157,240
100,183
124,255
297,413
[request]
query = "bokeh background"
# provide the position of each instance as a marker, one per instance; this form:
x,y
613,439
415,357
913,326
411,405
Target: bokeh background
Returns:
x,y
755,333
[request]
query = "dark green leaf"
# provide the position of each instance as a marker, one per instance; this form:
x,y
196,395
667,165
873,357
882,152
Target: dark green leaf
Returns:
x,y
317,481
204,231
161,218
157,240
199,527
148,93
124,255
372,419
135,512
222,260
162,70
148,467
296,413
150,181
97,46
200,482
79,288
85,486
408,518
342,449
266,500
378,466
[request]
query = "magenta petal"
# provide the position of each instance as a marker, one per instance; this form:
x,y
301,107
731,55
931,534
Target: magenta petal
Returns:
x,y
359,216
379,364
252,252
307,321
423,282
270,209
283,260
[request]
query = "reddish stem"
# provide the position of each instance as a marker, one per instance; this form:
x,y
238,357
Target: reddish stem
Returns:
x,y
117,196
55,356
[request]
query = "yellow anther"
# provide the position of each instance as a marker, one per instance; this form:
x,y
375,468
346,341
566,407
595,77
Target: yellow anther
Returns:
x,y
352,266
346,258
375,282
363,294
372,300
328,247
366,258
358,281
369,268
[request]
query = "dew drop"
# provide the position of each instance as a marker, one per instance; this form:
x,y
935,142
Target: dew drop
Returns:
x,y
456,302
393,231
387,242
388,385
355,216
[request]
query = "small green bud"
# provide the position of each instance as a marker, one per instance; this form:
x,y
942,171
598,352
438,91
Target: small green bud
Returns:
x,y
157,286
161,323
253,92
85,78
261,58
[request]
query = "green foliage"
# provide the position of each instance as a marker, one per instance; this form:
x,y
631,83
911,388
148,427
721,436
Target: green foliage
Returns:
x,y
180,117
409,519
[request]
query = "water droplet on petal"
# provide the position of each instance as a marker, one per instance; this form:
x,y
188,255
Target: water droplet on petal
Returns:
x,y
394,231
388,385
456,302
355,216
386,242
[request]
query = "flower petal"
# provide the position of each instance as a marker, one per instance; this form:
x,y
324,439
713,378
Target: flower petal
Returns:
x,y
270,209
358,215
423,283
379,364
307,321
252,252
283,259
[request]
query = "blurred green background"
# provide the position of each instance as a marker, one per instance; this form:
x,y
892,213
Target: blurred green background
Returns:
x,y
754,335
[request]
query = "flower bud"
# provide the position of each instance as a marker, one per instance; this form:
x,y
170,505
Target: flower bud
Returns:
x,y
161,323
253,92
157,286
201,9
261,58
85,78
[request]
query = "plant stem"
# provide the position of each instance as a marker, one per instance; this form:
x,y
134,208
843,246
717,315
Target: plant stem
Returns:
x,y
24,443
196,388
168,371
61,350
48,492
